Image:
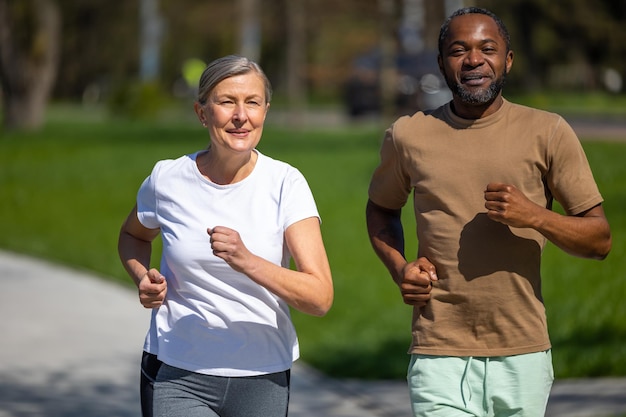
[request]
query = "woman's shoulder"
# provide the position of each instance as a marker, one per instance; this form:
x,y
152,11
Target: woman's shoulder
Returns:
x,y
273,164
278,171
165,165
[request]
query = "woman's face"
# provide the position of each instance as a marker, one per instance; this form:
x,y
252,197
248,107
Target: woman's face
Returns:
x,y
234,112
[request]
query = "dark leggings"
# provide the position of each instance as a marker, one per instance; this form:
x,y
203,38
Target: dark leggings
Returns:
x,y
244,396
149,369
180,393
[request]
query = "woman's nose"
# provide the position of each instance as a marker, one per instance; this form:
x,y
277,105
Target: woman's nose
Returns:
x,y
240,113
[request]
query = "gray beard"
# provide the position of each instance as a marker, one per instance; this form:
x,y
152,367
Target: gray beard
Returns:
x,y
481,97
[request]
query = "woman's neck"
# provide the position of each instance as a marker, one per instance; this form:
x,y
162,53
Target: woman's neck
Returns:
x,y
225,169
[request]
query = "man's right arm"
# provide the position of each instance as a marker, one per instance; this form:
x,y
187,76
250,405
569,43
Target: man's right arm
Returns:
x,y
386,235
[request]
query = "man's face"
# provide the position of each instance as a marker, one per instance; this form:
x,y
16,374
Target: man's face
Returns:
x,y
474,59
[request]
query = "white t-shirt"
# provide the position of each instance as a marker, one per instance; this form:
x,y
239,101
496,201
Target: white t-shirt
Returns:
x,y
215,320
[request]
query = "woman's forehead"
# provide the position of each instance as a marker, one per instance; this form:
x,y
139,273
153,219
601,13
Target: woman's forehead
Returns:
x,y
250,82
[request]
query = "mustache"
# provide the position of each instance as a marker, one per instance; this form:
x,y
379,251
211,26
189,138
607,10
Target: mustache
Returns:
x,y
475,75
482,97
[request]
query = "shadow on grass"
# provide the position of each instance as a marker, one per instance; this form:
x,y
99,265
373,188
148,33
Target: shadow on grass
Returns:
x,y
590,352
587,352
389,360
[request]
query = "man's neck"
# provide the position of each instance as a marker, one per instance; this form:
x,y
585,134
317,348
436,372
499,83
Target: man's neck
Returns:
x,y
473,111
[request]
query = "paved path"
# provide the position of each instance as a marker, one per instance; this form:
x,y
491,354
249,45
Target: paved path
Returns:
x,y
70,346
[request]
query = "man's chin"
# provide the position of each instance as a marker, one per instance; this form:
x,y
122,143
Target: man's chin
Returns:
x,y
477,97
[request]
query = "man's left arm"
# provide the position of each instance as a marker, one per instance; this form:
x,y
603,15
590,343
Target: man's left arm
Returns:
x,y
586,234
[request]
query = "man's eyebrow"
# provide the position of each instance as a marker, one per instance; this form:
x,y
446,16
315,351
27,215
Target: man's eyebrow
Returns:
x,y
464,43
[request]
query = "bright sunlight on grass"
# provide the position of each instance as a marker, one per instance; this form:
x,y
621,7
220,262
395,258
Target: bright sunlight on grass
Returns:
x,y
65,191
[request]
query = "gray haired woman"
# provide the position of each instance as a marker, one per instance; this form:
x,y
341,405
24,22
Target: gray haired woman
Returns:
x,y
221,341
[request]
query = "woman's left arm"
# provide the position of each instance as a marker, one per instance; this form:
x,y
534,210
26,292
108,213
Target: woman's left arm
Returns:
x,y
308,289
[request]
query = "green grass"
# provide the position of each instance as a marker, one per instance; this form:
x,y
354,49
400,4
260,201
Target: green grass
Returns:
x,y
576,104
64,192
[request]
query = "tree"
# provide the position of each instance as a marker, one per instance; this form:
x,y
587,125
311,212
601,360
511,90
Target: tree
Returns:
x,y
388,50
296,59
29,56
151,32
249,29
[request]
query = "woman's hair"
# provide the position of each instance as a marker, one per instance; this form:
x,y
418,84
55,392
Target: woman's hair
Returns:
x,y
226,67
443,33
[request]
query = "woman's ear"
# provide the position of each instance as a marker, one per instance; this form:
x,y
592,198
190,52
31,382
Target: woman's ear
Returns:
x,y
197,107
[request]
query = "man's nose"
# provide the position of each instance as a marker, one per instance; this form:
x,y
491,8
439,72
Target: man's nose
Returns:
x,y
474,58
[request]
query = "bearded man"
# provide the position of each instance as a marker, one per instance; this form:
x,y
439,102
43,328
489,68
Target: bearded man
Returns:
x,y
484,173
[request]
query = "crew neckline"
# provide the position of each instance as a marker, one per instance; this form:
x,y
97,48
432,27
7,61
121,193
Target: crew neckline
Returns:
x,y
462,123
197,172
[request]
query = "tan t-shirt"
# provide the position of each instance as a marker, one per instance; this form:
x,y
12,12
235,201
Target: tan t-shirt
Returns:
x,y
488,300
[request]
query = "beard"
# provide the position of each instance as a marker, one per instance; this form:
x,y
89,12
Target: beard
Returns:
x,y
480,97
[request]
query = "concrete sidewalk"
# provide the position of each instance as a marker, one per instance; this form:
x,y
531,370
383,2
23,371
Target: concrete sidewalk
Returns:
x,y
70,345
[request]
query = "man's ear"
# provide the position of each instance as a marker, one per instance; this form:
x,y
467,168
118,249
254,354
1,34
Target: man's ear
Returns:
x,y
509,61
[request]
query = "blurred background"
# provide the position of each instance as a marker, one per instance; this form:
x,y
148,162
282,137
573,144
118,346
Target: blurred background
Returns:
x,y
94,92
359,57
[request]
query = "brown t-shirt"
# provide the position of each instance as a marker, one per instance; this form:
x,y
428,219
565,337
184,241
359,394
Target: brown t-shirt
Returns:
x,y
488,300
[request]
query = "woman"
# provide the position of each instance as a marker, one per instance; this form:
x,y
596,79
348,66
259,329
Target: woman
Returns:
x,y
230,219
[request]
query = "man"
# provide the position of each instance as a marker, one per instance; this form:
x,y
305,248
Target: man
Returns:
x,y
484,173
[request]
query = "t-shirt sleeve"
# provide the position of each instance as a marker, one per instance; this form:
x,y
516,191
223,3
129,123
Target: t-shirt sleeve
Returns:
x,y
147,201
297,199
390,186
570,178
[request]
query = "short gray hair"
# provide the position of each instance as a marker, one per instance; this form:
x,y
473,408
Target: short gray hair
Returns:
x,y
226,67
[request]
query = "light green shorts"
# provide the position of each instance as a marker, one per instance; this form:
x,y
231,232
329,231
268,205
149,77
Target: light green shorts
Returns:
x,y
445,386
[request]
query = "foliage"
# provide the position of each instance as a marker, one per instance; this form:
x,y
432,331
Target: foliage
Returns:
x,y
29,53
100,42
137,100
564,43
66,190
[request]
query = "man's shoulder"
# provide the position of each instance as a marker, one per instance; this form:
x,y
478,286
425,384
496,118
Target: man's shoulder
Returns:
x,y
538,122
523,110
422,120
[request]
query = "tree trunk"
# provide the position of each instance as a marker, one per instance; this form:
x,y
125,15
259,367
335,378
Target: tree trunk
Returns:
x,y
388,50
296,60
250,29
435,12
151,29
29,56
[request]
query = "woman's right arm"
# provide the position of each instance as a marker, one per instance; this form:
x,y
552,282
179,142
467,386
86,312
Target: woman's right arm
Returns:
x,y
135,248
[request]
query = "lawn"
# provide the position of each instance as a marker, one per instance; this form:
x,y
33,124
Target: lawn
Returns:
x,y
64,192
